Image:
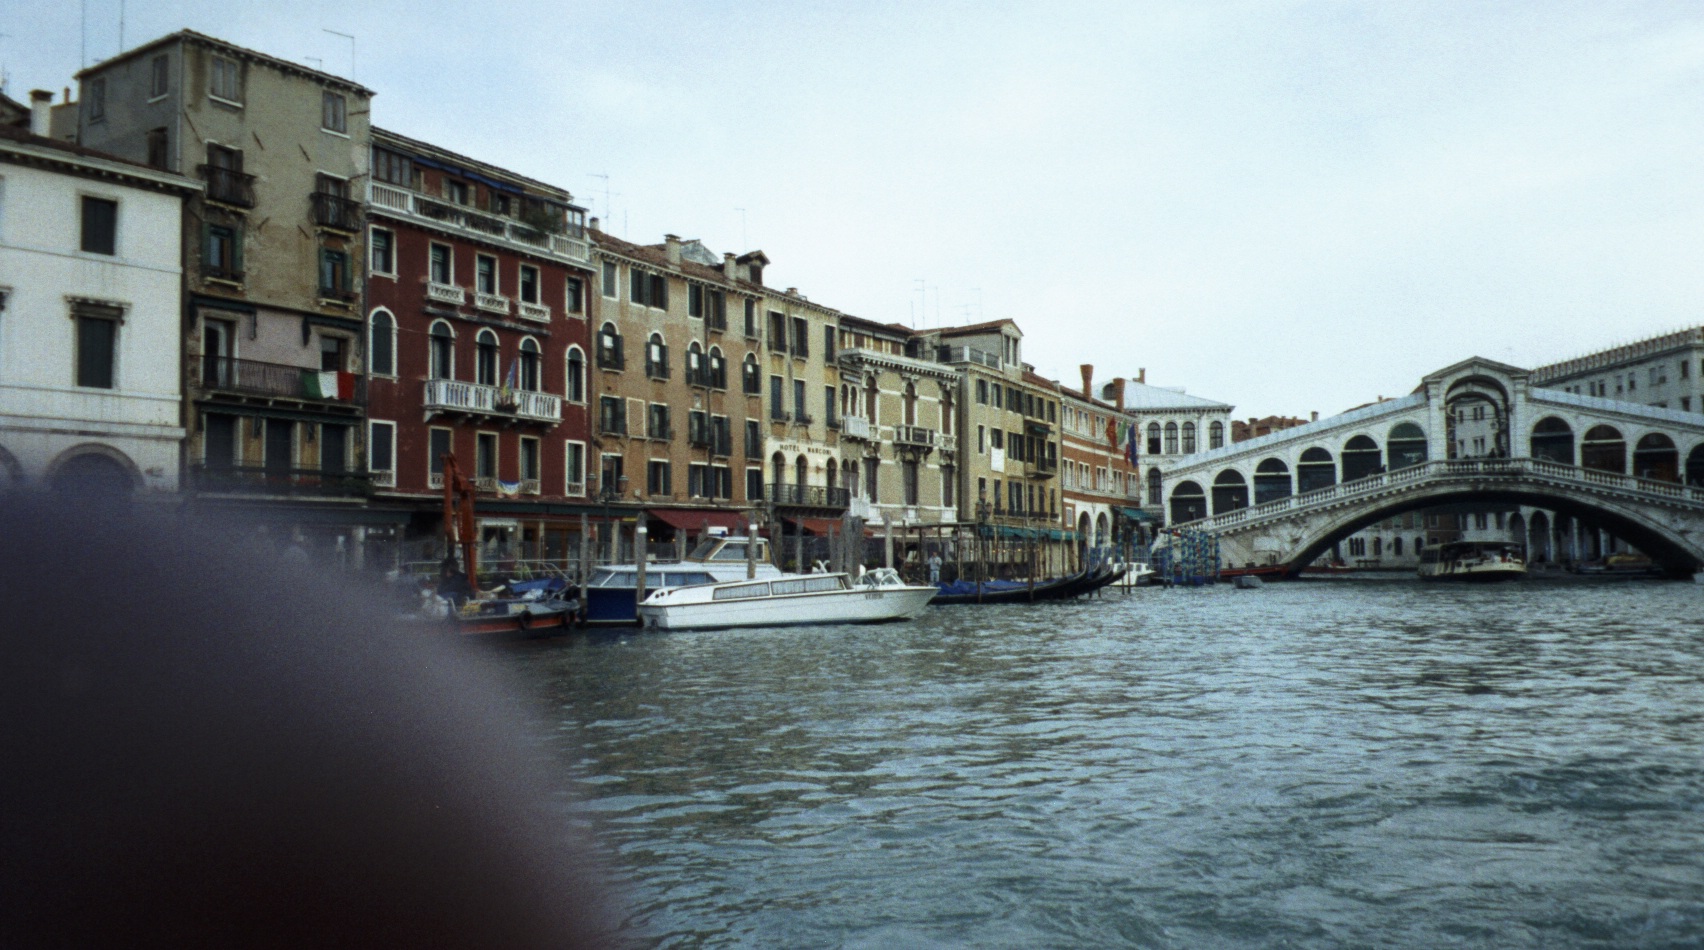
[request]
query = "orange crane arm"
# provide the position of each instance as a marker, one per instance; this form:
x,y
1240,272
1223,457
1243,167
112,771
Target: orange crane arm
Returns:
x,y
458,519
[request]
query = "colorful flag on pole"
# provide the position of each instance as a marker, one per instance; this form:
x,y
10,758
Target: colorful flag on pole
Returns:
x,y
507,390
1130,443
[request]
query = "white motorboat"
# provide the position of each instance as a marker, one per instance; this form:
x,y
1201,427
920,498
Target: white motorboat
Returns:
x,y
1474,561
1132,574
877,596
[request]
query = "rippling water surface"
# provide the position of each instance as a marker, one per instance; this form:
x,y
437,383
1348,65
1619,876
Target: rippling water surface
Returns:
x,y
1320,764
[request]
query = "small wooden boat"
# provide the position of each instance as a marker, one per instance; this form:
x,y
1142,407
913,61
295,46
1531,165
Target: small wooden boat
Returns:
x,y
786,601
1022,592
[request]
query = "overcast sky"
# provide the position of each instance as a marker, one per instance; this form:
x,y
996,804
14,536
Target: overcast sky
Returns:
x,y
1287,206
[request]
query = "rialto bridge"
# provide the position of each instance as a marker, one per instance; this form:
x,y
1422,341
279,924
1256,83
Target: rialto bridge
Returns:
x,y
1476,432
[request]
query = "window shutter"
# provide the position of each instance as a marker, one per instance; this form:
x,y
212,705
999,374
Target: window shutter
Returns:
x,y
636,285
659,292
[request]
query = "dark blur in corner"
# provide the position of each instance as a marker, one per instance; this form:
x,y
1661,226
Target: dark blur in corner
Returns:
x,y
203,745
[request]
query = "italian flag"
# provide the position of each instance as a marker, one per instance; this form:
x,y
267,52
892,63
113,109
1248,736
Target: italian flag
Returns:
x,y
329,385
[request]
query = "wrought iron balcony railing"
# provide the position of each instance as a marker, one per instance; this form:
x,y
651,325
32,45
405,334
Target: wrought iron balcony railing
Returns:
x,y
336,211
228,186
227,374
812,496
269,480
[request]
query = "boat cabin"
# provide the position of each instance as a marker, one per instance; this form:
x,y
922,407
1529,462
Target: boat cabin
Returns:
x,y
722,549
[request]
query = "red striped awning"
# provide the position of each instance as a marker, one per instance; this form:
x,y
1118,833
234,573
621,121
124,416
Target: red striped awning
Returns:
x,y
695,519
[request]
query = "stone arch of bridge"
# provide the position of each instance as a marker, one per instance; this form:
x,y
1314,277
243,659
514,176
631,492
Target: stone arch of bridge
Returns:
x,y
1669,548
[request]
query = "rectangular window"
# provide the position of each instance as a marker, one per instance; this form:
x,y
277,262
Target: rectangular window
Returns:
x,y
608,283
981,439
485,274
96,103
334,273
659,295
574,461
777,395
455,191
949,489
801,342
718,310
721,436
332,349
383,243
97,348
485,455
999,395
828,342
1685,369
381,446
694,301
529,458
393,167
441,270
439,446
657,422
158,156
576,301
529,284
777,330
721,482
658,479
221,254
997,438
751,319
226,80
754,484
612,418
160,77
612,475
828,406
333,112
100,225
799,414
753,440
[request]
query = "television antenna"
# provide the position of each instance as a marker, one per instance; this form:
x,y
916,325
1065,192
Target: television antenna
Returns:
x,y
351,40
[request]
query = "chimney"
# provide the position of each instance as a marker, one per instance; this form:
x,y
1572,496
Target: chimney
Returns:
x,y
728,264
1142,376
41,111
1088,380
595,224
1315,416
1118,393
671,248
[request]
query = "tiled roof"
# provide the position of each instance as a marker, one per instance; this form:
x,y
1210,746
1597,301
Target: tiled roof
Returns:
x,y
1155,398
23,136
981,327
380,135
282,65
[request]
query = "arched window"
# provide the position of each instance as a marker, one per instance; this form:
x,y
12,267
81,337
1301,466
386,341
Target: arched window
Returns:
x,y
1271,481
1316,469
1171,438
1656,458
1230,491
910,404
576,376
718,369
1405,446
1553,441
751,379
1188,503
802,468
1189,438
1153,438
1216,435
1156,487
833,475
656,357
443,351
1360,458
381,344
778,469
695,371
485,358
529,369
610,355
1604,449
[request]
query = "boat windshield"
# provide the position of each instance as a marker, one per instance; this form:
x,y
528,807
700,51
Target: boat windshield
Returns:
x,y
704,549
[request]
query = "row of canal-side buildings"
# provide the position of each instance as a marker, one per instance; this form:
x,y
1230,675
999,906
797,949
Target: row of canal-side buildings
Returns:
x,y
224,287
221,286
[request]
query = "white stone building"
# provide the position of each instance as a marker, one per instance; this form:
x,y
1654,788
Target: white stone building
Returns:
x,y
91,303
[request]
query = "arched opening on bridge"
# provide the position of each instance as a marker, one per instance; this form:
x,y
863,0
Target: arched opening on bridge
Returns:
x,y
1271,481
1553,441
1476,410
1315,470
1360,458
1230,491
1604,449
1405,446
1103,533
1656,458
1539,546
1518,532
1188,503
1695,466
1082,534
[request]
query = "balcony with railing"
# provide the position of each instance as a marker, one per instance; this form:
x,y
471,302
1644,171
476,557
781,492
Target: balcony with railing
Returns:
x,y
537,313
336,211
446,293
273,480
1043,467
228,185
915,437
254,378
449,395
568,245
856,427
491,303
808,496
967,354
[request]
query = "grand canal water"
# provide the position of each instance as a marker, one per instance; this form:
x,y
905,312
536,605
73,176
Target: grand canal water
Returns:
x,y
1344,763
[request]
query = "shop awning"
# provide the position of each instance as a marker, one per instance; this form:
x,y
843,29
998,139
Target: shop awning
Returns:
x,y
1139,516
694,519
820,527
